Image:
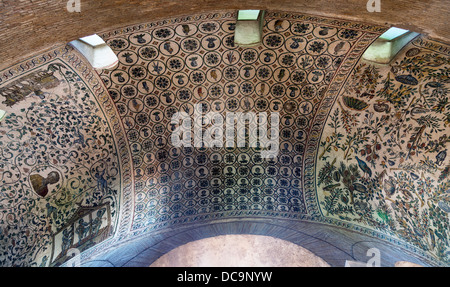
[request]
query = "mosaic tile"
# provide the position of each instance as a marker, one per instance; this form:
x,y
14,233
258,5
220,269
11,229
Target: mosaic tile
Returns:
x,y
178,66
60,172
382,159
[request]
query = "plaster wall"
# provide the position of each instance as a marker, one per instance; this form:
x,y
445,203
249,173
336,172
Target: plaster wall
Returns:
x,y
240,251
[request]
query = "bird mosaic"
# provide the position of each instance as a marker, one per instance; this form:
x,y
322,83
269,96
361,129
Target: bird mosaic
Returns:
x,y
396,136
364,167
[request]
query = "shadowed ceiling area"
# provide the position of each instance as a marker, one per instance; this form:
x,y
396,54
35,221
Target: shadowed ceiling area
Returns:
x,y
89,165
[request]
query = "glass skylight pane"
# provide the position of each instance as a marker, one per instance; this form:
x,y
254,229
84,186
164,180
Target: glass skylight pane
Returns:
x,y
393,33
248,14
93,40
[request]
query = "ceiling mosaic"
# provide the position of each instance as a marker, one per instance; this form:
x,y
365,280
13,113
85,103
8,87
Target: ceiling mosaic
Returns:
x,y
382,160
193,62
87,160
59,166
301,66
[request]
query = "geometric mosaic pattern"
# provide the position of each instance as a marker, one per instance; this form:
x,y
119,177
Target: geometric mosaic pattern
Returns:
x,y
300,69
174,67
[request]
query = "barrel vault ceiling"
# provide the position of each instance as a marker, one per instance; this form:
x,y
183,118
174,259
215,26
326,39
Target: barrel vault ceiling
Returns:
x,y
87,161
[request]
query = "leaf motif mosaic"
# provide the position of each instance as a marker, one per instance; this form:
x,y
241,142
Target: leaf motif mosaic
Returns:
x,y
59,166
382,160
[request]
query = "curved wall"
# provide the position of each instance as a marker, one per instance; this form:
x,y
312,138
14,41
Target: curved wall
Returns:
x,y
301,70
239,251
60,166
192,65
382,158
333,244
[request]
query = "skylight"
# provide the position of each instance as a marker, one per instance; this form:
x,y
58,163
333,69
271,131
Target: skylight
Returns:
x,y
93,40
248,31
393,33
387,46
248,15
96,52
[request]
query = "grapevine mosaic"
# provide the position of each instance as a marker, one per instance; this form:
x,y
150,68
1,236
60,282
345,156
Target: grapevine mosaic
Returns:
x,y
58,164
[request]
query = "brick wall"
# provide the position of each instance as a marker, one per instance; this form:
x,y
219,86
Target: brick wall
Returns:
x,y
28,27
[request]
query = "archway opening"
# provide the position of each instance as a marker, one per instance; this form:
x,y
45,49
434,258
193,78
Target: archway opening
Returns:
x,y
240,250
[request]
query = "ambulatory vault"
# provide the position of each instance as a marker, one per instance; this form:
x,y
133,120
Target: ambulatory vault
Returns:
x,y
87,163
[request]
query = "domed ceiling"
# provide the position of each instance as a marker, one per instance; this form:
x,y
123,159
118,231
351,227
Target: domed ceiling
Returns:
x,y
90,158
